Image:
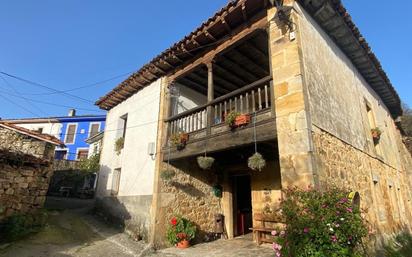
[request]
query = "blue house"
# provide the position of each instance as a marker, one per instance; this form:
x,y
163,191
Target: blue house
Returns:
x,y
74,132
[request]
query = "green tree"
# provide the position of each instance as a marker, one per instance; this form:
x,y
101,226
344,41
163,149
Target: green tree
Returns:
x,y
91,164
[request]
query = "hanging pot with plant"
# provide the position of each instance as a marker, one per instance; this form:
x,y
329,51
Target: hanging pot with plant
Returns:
x,y
205,162
256,161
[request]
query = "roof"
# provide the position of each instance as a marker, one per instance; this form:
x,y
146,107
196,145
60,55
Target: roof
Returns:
x,y
213,31
95,138
330,14
51,119
43,137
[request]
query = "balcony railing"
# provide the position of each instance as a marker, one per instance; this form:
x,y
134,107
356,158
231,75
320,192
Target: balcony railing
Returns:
x,y
255,97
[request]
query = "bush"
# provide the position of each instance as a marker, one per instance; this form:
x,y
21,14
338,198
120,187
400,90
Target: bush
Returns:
x,y
401,246
319,224
20,225
180,229
91,164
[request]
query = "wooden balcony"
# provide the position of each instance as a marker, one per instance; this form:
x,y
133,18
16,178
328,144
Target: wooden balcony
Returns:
x,y
208,130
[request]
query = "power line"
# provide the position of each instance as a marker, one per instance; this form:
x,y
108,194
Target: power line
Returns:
x,y
17,92
82,87
47,103
43,86
24,108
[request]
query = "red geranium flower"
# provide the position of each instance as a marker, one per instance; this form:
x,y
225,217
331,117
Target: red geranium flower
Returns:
x,y
173,221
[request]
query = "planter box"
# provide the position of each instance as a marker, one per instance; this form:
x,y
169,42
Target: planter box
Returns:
x,y
242,120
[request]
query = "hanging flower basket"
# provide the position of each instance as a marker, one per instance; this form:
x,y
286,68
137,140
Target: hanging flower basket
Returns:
x,y
256,162
179,140
205,162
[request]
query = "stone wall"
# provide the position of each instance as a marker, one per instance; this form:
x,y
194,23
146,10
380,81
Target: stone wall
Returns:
x,y
25,172
385,192
23,187
16,142
189,193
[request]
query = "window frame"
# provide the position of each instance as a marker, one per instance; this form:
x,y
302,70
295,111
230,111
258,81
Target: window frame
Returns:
x,y
90,127
80,149
67,133
118,172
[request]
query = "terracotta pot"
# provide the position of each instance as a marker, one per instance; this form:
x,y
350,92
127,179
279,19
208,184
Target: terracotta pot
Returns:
x,y
242,120
183,244
184,138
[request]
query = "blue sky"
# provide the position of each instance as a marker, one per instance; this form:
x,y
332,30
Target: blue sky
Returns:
x,y
68,44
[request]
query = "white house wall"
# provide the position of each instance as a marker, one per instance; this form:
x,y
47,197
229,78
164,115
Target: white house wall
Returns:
x,y
134,198
48,127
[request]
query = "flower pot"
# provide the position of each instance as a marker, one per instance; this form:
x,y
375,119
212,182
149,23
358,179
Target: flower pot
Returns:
x,y
242,120
184,137
183,244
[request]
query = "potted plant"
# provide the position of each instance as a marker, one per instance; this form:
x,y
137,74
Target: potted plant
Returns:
x,y
217,190
179,140
376,134
256,162
231,119
235,119
205,162
242,120
167,174
118,145
180,232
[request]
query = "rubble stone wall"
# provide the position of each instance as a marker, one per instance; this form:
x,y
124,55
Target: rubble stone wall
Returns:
x,y
23,188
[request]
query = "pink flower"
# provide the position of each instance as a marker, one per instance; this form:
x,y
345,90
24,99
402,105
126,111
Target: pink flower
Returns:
x,y
349,209
276,247
324,206
306,230
334,239
343,200
274,233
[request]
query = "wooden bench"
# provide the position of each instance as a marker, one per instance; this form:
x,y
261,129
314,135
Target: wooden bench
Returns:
x,y
262,230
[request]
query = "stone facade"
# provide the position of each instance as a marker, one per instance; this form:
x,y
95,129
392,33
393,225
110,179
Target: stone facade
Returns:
x,y
25,172
188,193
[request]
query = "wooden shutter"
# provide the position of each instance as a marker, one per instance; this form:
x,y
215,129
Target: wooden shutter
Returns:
x,y
94,129
71,131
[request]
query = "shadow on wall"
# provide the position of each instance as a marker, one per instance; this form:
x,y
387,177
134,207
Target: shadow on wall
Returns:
x,y
107,205
130,213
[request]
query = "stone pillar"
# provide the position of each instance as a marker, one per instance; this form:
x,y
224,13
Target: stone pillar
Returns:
x,y
155,236
291,108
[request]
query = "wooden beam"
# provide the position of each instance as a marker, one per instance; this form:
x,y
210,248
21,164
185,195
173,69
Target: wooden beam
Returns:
x,y
159,69
167,63
191,83
151,73
142,77
230,74
244,12
210,97
186,51
238,34
224,22
243,72
210,36
230,85
257,66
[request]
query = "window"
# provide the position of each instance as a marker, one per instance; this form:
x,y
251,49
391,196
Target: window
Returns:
x,y
70,133
94,129
116,182
39,130
123,125
82,154
60,155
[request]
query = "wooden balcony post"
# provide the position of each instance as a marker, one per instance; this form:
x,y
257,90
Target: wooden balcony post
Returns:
x,y
210,96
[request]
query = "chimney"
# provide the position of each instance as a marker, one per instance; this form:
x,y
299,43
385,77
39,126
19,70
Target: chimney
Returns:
x,y
72,112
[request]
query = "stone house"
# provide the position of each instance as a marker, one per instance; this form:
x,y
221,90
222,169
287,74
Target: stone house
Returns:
x,y
26,165
315,92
